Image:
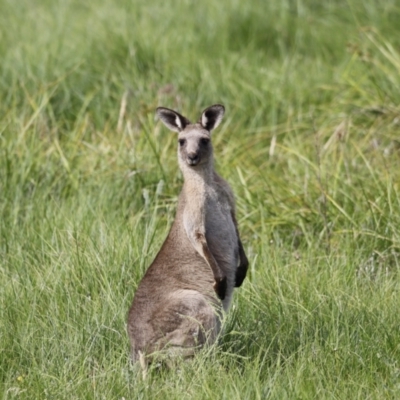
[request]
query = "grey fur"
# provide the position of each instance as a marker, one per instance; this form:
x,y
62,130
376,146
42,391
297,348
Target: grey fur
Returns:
x,y
177,306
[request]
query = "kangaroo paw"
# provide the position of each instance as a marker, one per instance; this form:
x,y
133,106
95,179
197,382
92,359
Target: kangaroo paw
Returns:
x,y
240,275
220,285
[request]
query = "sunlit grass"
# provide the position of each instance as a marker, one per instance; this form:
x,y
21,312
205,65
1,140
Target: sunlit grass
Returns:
x,y
89,184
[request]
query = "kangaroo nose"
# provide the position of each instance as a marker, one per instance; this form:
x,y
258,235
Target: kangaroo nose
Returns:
x,y
193,158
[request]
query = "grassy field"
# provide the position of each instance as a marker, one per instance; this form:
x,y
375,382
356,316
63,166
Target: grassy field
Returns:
x,y
89,183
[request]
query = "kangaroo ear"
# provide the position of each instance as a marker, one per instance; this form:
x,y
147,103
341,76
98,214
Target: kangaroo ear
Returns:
x,y
171,119
212,116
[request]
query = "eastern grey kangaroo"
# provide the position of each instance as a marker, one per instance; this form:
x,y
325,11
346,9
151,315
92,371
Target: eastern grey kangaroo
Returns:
x,y
177,305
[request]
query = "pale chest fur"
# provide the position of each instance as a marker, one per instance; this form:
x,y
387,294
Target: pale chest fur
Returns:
x,y
209,211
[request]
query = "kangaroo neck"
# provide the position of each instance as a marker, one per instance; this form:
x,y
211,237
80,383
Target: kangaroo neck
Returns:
x,y
196,180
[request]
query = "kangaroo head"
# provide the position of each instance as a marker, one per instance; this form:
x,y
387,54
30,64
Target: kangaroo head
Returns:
x,y
194,140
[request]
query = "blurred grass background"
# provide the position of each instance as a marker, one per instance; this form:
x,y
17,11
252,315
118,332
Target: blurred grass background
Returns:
x,y
89,184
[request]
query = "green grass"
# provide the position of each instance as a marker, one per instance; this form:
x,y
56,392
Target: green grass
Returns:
x,y
89,184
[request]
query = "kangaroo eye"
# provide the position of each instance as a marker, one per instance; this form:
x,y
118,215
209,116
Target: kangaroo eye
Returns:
x,y
205,141
181,142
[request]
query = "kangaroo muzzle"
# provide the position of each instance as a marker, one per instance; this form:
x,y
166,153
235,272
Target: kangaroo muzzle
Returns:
x,y
192,159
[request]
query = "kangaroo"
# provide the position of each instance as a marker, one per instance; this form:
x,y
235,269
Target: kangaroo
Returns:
x,y
178,304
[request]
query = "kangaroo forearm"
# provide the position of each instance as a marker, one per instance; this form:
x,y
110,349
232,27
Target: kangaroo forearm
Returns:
x,y
220,282
241,270
205,252
211,261
244,262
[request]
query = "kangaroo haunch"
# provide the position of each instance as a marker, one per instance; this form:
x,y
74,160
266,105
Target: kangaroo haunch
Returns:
x,y
177,305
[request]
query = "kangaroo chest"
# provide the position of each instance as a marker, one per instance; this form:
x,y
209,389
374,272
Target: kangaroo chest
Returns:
x,y
207,211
